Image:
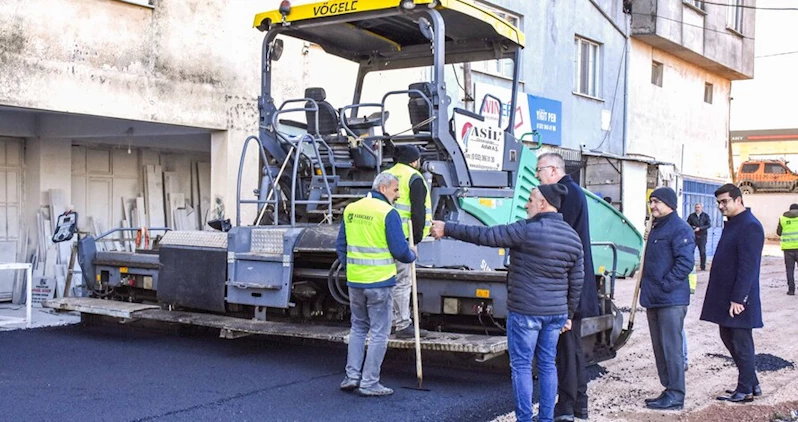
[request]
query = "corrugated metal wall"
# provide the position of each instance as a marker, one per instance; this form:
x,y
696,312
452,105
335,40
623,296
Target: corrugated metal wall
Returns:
x,y
694,191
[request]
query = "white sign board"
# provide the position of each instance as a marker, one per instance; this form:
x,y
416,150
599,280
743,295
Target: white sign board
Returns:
x,y
492,110
43,289
482,143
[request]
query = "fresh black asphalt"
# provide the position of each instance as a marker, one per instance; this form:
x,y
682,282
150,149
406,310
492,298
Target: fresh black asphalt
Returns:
x,y
107,373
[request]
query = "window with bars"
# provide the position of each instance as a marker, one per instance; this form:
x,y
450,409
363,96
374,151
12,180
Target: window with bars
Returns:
x,y
501,67
588,70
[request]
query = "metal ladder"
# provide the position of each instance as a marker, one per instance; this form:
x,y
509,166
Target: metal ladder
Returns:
x,y
324,186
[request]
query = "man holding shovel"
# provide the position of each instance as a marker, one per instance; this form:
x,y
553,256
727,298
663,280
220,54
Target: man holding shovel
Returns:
x,y
665,293
413,205
370,239
544,283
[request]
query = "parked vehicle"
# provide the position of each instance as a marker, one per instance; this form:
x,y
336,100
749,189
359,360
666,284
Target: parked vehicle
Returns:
x,y
766,176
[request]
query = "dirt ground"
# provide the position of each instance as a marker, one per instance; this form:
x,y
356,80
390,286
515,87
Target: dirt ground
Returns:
x,y
618,393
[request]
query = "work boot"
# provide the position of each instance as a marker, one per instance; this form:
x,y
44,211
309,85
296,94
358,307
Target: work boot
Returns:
x,y
349,384
408,332
375,390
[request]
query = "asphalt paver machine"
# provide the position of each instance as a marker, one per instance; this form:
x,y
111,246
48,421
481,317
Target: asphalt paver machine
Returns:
x,y
279,274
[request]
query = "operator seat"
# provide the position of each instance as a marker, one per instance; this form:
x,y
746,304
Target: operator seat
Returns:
x,y
328,117
418,108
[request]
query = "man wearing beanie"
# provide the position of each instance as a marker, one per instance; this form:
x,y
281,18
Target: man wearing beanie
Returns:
x,y
788,231
544,283
665,293
414,204
572,394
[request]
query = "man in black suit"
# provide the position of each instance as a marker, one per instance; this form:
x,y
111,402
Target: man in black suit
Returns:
x,y
700,222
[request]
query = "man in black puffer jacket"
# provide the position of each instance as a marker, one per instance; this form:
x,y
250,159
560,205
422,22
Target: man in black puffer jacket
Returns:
x,y
544,283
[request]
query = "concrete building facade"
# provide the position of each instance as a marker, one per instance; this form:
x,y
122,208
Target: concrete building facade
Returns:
x,y
115,86
684,55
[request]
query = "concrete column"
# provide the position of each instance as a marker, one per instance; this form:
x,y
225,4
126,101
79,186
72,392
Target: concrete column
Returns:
x,y
226,147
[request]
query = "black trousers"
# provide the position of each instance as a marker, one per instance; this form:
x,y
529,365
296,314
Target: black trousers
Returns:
x,y
740,343
666,326
790,258
571,376
701,242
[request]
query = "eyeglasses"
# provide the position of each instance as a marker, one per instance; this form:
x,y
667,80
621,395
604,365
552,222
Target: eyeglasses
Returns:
x,y
538,169
654,201
724,201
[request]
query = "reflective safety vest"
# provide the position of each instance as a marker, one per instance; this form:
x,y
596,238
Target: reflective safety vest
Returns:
x,y
368,259
789,232
405,173
693,280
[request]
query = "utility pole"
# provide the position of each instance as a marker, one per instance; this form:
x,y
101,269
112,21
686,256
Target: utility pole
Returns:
x,y
729,142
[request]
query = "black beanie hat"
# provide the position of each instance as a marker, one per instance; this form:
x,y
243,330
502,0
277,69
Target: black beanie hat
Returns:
x,y
406,154
553,193
794,207
667,196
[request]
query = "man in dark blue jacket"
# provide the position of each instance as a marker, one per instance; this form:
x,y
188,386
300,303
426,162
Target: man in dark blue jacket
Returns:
x,y
544,283
665,293
732,299
572,387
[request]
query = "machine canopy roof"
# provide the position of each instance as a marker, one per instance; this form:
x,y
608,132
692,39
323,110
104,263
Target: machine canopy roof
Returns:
x,y
362,30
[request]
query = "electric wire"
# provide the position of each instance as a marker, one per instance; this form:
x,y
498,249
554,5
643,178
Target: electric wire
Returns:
x,y
745,6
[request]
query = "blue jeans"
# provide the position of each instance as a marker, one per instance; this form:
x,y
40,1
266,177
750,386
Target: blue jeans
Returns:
x,y
527,337
371,314
684,346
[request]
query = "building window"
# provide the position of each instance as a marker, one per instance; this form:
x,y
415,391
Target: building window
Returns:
x,y
697,3
502,67
588,77
708,93
774,169
750,168
656,73
735,15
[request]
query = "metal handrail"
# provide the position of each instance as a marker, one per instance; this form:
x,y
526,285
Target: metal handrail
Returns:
x,y
482,106
240,175
614,248
315,109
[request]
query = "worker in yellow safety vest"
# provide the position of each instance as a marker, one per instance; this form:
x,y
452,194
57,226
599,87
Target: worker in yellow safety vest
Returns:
x,y
369,240
414,204
788,230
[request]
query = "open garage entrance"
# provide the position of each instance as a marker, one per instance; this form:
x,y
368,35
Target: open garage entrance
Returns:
x,y
112,172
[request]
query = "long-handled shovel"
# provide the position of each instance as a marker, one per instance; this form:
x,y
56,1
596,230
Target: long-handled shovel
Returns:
x,y
419,371
625,334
